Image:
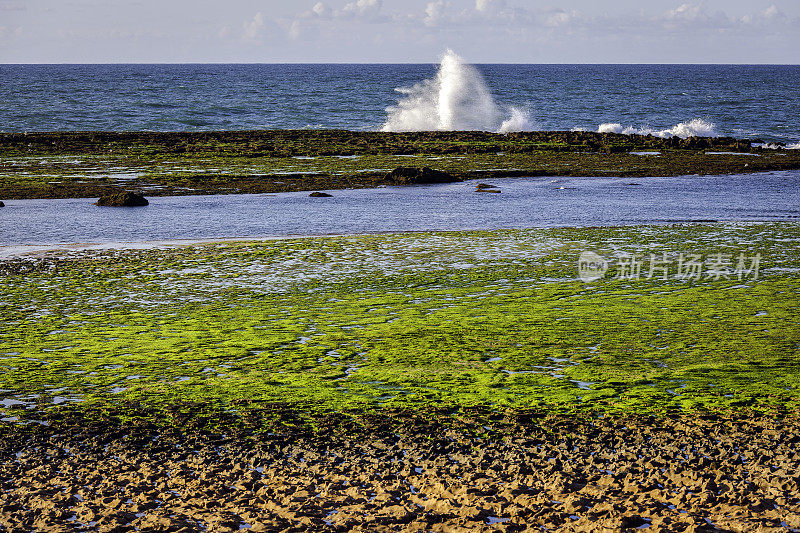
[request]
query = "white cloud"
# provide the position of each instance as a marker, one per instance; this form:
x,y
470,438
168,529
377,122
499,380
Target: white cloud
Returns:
x,y
688,16
366,10
321,10
361,7
485,6
687,12
295,29
772,11
253,27
435,12
771,15
561,17
446,22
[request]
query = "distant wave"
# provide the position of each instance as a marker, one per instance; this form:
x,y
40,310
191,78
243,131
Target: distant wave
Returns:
x,y
694,128
778,146
456,99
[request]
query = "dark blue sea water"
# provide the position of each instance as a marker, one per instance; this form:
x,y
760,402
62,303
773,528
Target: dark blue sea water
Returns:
x,y
742,101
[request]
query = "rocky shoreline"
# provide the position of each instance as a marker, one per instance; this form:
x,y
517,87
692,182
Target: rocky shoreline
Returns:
x,y
94,164
406,471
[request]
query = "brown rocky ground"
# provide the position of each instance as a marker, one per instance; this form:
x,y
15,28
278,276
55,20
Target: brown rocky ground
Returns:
x,y
682,473
94,164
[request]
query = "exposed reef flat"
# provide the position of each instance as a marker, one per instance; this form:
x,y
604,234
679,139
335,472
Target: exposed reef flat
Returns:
x,y
93,164
444,381
402,471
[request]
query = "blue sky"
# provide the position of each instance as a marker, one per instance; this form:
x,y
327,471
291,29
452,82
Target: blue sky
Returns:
x,y
387,31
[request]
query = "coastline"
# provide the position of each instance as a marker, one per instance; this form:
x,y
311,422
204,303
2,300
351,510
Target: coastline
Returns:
x,y
433,382
410,471
93,164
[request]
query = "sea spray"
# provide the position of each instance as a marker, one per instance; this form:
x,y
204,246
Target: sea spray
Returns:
x,y
520,120
694,128
456,99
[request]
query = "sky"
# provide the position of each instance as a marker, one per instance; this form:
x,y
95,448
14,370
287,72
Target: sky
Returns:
x,y
399,31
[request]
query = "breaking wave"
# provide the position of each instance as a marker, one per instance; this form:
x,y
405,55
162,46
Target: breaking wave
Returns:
x,y
694,128
456,99
795,146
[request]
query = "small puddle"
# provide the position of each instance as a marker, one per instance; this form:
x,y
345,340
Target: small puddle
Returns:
x,y
14,403
58,400
733,153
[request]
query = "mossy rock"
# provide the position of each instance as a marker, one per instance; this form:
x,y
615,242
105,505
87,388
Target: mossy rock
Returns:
x,y
419,176
124,199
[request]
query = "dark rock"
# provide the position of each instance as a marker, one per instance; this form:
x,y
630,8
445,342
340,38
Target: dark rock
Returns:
x,y
123,199
317,194
482,186
419,176
487,190
2,204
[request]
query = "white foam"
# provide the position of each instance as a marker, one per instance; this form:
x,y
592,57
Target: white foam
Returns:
x,y
610,127
456,99
520,120
693,128
795,146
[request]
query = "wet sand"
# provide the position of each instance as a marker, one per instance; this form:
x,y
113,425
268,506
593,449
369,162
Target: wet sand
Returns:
x,y
410,472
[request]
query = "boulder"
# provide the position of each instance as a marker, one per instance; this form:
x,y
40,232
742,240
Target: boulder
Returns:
x,y
317,194
485,186
418,176
123,199
2,204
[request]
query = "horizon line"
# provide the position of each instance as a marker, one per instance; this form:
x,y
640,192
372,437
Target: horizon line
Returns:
x,y
381,63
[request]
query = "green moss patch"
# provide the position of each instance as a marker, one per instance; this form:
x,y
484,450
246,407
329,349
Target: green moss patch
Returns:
x,y
486,320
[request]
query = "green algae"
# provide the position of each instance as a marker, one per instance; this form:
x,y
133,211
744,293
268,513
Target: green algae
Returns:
x,y
493,320
74,164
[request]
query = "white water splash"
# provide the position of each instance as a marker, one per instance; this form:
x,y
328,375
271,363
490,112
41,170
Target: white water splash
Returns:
x,y
694,128
520,120
795,146
456,99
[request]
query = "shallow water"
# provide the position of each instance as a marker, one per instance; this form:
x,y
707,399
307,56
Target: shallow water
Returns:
x,y
523,203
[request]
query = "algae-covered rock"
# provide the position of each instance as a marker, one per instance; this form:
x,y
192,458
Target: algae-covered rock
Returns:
x,y
485,187
123,199
419,176
317,194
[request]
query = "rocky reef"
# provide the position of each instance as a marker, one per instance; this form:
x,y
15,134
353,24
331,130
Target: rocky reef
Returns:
x,y
123,199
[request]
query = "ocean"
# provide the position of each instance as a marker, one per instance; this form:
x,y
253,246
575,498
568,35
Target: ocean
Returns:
x,y
755,102
746,101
